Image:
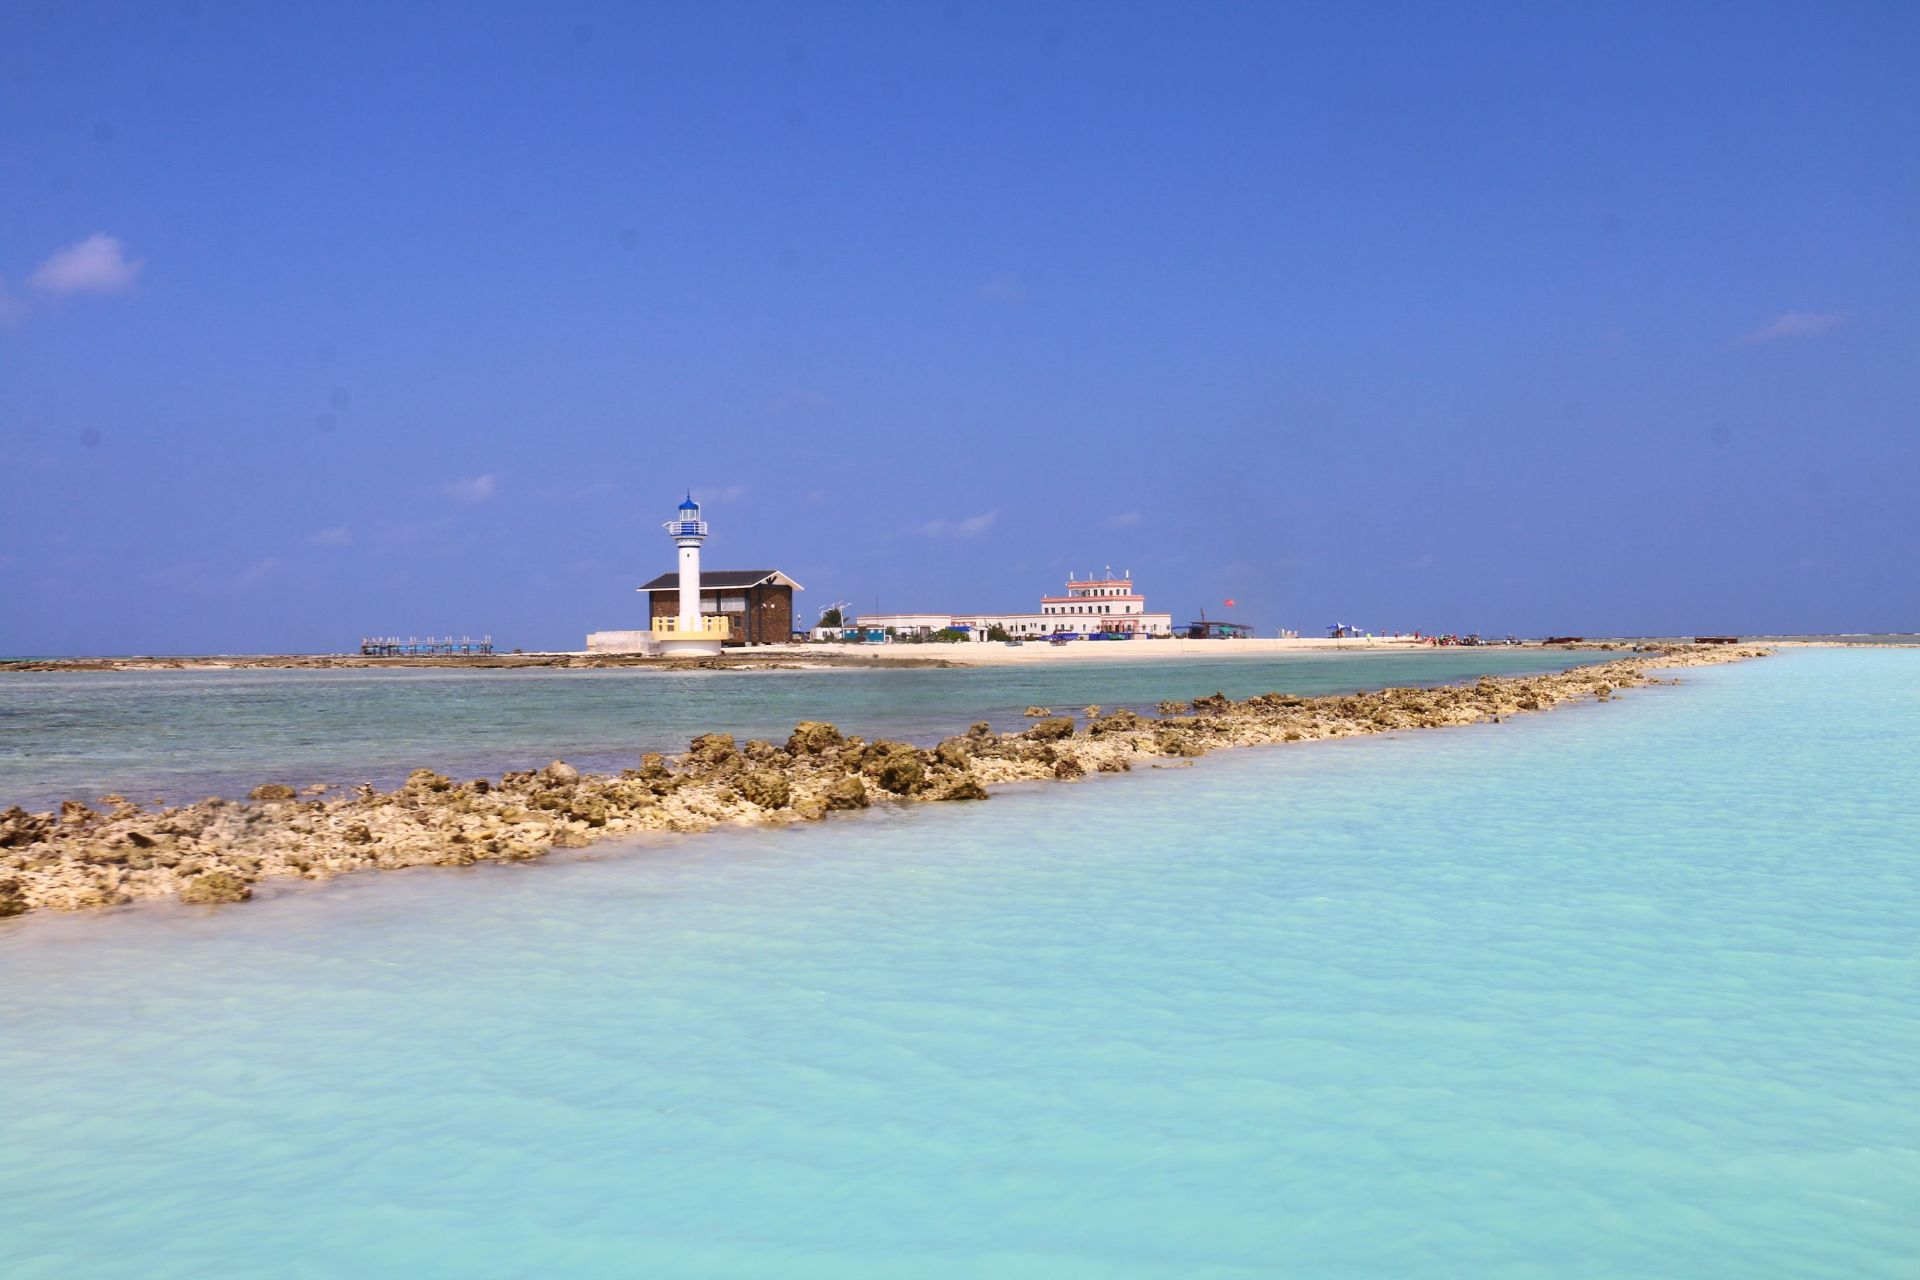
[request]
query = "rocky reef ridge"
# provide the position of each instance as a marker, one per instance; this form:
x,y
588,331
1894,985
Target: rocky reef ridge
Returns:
x,y
82,856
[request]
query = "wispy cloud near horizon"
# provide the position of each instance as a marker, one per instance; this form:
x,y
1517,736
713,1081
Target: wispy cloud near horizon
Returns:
x,y
98,264
473,489
255,574
969,527
1795,324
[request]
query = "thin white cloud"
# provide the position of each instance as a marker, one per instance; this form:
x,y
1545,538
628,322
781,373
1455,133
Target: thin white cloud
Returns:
x,y
472,489
970,527
98,264
255,574
714,495
1795,324
338,536
1125,520
1007,289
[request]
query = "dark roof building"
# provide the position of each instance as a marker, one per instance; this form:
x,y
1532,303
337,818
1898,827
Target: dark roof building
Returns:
x,y
757,603
726,580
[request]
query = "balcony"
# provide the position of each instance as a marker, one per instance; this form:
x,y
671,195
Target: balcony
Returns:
x,y
712,627
687,528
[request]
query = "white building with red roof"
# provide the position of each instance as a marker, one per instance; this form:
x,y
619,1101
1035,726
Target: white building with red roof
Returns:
x,y
1090,606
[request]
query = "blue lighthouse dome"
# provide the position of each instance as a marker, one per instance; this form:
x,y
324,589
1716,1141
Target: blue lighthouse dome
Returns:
x,y
689,504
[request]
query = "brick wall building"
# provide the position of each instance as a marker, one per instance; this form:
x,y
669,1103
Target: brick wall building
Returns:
x,y
757,603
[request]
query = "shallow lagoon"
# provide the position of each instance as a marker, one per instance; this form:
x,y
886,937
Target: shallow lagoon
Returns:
x,y
1622,989
187,734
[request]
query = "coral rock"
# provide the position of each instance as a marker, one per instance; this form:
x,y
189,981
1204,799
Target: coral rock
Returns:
x,y
81,858
848,793
765,788
591,810
814,737
967,788
215,887
1118,722
18,827
954,753
713,748
897,767
1051,730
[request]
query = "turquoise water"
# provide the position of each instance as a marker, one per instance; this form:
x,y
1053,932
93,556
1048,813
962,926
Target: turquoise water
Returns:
x,y
1623,990
185,734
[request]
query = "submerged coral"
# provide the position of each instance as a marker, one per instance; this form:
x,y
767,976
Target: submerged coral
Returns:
x,y
216,850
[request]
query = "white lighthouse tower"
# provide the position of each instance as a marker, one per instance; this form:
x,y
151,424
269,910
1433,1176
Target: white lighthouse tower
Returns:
x,y
688,634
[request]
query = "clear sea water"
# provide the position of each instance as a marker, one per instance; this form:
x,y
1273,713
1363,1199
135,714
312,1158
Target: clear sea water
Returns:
x,y
1622,990
184,734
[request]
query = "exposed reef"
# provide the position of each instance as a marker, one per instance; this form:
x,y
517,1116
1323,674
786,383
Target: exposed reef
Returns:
x,y
215,851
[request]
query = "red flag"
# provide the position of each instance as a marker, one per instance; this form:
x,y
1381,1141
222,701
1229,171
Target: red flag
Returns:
x,y
1229,604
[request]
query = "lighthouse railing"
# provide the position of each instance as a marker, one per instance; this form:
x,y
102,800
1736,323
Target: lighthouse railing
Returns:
x,y
711,626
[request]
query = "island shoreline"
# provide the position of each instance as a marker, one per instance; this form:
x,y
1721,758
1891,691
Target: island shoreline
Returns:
x,y
215,851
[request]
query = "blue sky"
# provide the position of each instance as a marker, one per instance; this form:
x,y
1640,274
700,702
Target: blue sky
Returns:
x,y
322,320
